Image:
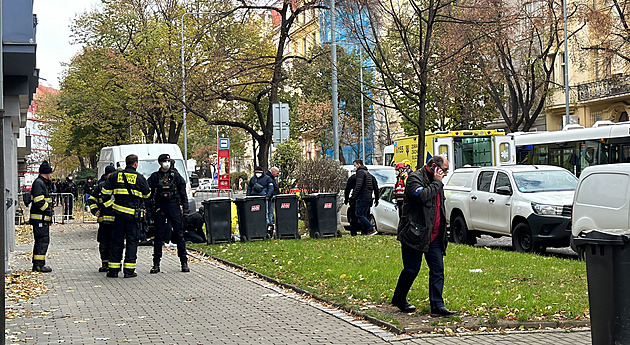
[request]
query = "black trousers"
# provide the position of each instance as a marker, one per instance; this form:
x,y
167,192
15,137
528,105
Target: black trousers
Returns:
x,y
126,228
104,238
172,213
352,218
41,234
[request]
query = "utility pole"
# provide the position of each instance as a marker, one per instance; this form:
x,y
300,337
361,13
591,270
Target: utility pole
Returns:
x,y
333,59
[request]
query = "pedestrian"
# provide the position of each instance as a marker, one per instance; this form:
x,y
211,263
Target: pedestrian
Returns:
x,y
352,205
422,231
362,195
41,216
169,200
272,174
104,213
130,190
88,189
399,188
69,188
193,227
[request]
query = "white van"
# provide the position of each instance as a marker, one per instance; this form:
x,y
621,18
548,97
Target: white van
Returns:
x,y
602,201
147,161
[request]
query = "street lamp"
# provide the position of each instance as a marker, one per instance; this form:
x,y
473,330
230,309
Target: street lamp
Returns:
x,y
333,61
184,82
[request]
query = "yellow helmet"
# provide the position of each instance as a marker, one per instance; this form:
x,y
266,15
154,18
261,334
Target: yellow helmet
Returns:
x,y
406,162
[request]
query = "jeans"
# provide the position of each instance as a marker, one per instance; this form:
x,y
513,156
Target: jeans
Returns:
x,y
362,212
411,266
269,212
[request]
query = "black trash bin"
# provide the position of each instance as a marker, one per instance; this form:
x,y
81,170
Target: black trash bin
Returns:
x,y
322,214
218,218
252,217
286,218
608,275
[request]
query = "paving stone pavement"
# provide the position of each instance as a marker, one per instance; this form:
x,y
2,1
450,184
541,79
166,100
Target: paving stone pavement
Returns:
x,y
213,304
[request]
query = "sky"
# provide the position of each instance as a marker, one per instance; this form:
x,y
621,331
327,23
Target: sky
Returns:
x,y
53,36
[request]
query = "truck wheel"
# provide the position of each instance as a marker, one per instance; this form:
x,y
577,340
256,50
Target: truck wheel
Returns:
x,y
461,235
523,241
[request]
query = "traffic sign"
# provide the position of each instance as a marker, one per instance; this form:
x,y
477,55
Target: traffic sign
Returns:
x,y
224,143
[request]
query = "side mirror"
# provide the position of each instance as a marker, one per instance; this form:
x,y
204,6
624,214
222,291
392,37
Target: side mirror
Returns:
x,y
504,190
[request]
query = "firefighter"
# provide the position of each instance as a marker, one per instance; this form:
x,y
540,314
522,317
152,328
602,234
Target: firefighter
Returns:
x,y
41,216
130,190
399,189
168,190
105,217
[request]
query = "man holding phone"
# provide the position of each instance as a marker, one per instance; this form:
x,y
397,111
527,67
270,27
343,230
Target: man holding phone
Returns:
x,y
422,231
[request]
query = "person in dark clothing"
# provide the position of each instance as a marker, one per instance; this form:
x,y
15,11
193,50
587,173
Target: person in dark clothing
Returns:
x,y
362,194
352,205
193,227
260,185
69,187
105,218
272,174
41,216
422,232
88,189
168,188
129,189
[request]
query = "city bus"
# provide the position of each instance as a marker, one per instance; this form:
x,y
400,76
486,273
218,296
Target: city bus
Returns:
x,y
461,148
576,148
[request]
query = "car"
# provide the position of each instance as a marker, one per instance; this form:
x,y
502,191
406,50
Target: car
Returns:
x,y
385,175
385,214
601,202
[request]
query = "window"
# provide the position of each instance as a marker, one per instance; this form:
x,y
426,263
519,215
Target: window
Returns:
x,y
503,180
484,180
504,152
386,193
592,192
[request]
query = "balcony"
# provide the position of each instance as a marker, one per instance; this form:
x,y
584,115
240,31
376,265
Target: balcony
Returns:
x,y
617,85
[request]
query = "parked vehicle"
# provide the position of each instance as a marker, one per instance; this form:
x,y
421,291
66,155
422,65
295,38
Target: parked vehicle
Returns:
x,y
385,215
532,204
384,175
602,201
147,161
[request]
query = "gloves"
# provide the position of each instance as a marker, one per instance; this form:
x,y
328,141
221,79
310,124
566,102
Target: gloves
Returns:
x,y
375,202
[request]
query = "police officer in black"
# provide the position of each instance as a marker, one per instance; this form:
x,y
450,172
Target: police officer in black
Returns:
x,y
105,217
41,216
168,189
130,190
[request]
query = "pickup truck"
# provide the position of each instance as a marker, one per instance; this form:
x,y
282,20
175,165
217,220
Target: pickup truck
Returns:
x,y
530,203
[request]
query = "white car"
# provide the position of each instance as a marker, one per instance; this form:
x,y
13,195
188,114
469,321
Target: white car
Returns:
x,y
385,215
385,175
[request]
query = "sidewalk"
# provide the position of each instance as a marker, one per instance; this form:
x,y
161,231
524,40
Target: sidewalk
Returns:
x,y
213,304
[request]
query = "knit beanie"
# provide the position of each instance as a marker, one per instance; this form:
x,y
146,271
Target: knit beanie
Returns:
x,y
45,168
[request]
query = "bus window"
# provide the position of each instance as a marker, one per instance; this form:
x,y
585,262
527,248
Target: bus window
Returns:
x,y
540,155
625,154
473,151
603,154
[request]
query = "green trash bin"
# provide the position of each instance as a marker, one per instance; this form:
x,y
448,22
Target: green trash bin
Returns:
x,y
286,218
608,275
322,215
252,218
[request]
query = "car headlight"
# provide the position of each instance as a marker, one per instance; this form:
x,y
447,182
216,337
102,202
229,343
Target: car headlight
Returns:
x,y
546,209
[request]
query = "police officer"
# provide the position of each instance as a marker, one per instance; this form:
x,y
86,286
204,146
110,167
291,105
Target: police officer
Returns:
x,y
41,216
105,218
129,189
69,187
168,188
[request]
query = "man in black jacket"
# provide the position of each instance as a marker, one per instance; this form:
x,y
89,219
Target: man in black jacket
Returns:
x,y
105,218
168,188
41,216
352,207
362,195
422,231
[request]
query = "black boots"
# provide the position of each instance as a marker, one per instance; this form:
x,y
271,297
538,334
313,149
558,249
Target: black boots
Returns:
x,y
43,269
104,267
155,269
185,267
112,274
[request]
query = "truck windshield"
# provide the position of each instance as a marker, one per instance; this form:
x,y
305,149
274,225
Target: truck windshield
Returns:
x,y
146,168
545,181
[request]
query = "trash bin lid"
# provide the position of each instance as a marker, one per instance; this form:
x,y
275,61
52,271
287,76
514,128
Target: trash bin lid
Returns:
x,y
603,237
216,199
286,196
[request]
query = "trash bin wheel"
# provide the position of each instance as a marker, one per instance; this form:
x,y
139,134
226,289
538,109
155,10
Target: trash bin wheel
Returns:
x,y
338,234
523,241
317,234
243,238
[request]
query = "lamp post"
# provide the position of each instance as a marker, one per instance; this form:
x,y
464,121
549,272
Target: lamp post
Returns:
x,y
184,82
362,114
333,59
566,66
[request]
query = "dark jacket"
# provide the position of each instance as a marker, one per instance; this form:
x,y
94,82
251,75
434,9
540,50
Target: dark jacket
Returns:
x,y
352,182
276,189
97,202
364,185
42,206
264,181
169,186
69,187
88,187
414,228
123,201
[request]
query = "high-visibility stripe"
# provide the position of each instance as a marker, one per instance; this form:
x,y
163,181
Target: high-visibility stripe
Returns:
x,y
130,265
93,206
92,198
124,209
99,219
114,264
121,191
39,257
48,199
38,198
109,218
107,191
44,206
109,202
40,217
